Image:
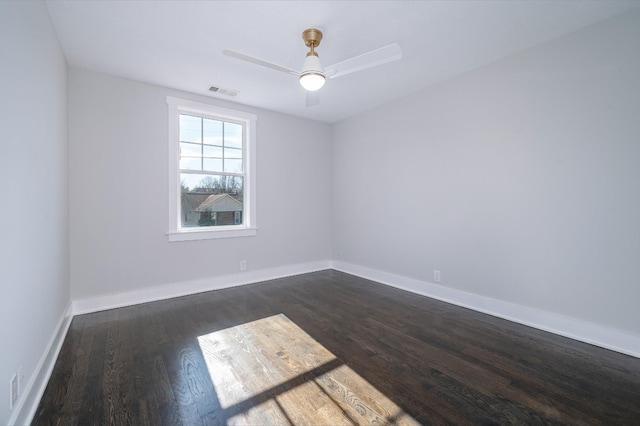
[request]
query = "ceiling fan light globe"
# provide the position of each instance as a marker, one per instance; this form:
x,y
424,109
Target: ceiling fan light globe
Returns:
x,y
312,81
312,77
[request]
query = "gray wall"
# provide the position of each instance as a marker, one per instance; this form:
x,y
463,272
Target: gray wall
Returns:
x,y
119,192
34,257
519,181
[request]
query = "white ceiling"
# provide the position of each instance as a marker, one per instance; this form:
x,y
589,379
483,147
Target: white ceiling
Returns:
x,y
179,44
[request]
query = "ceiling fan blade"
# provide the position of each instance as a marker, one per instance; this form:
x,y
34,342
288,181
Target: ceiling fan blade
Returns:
x,y
371,59
313,98
258,61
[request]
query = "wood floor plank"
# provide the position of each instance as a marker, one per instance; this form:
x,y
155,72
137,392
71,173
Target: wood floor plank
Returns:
x,y
91,398
341,350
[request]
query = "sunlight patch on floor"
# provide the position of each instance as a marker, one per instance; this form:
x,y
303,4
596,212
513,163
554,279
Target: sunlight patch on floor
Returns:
x,y
271,371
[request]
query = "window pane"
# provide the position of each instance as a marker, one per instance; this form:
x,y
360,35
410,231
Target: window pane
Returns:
x,y
233,166
190,128
233,135
190,163
213,164
211,200
232,152
212,151
212,132
190,150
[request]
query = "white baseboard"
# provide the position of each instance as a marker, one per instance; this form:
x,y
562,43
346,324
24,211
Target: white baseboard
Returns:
x,y
576,329
167,291
33,391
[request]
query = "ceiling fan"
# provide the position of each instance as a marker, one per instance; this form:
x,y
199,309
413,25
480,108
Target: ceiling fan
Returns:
x,y
312,76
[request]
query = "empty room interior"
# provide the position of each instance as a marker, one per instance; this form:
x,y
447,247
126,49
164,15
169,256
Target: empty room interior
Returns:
x,y
324,212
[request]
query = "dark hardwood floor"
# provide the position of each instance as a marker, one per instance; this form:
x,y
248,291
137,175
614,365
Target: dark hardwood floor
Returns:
x,y
368,350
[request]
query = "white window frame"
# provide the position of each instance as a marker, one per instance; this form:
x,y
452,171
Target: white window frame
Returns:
x,y
249,226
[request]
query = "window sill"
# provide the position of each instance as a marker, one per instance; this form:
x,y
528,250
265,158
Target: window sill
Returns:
x,y
208,234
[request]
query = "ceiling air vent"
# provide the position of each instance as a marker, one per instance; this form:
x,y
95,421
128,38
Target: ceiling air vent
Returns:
x,y
223,91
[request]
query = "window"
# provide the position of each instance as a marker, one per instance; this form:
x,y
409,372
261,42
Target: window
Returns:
x,y
211,171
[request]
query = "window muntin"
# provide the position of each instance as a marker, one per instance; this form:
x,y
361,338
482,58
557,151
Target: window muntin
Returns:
x,y
212,171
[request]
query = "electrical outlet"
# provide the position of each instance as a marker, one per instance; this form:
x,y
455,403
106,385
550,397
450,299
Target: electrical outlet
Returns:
x,y
436,276
243,265
13,391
